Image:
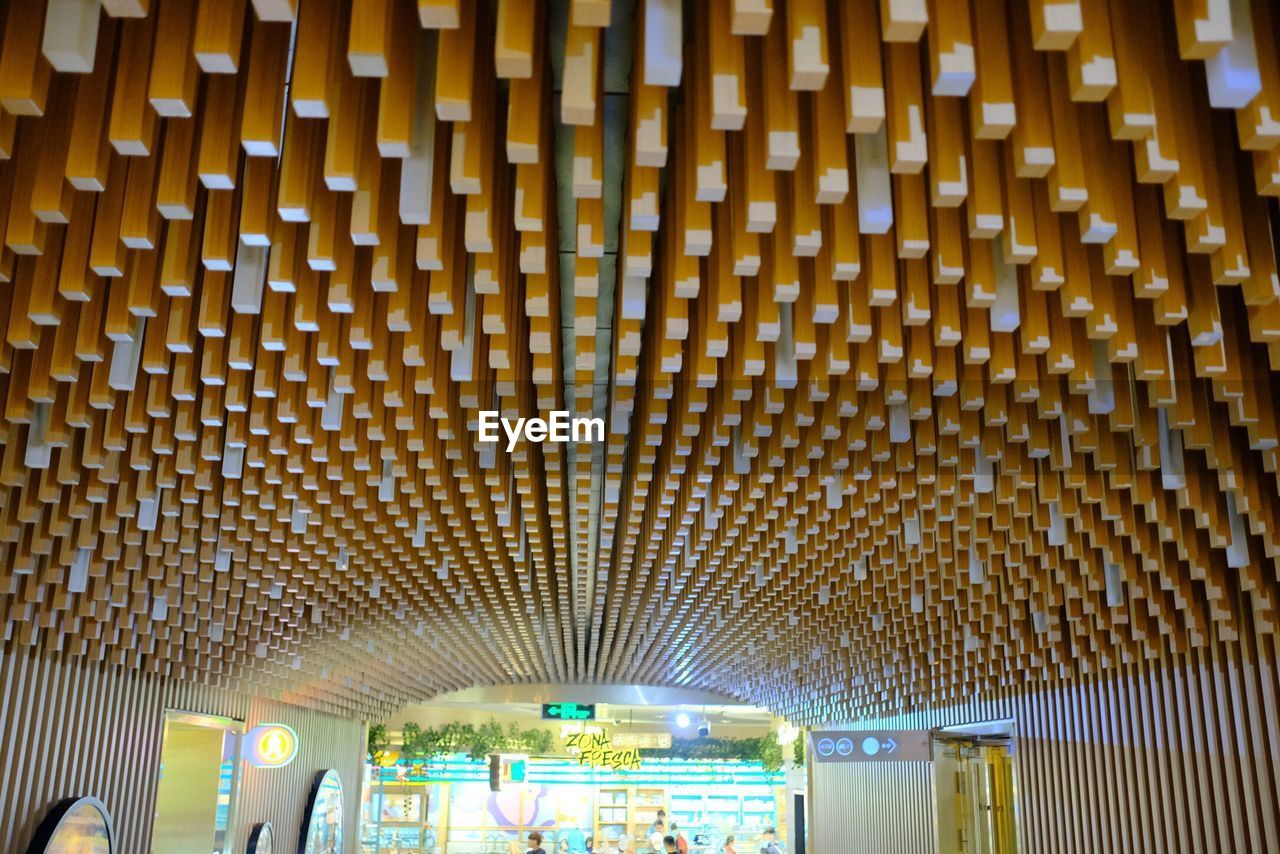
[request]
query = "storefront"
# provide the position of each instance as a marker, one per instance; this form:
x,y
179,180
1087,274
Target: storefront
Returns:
x,y
445,806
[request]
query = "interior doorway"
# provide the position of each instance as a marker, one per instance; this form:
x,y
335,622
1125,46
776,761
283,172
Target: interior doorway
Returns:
x,y
798,811
975,789
199,761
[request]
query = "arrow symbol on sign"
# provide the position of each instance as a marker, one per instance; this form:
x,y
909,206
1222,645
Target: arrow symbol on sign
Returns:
x,y
889,745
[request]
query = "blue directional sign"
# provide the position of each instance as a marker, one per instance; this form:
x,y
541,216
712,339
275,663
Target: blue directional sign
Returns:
x,y
873,746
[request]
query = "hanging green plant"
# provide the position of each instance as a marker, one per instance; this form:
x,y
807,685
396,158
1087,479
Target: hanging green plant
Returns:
x,y
770,752
418,745
476,741
764,750
378,742
410,738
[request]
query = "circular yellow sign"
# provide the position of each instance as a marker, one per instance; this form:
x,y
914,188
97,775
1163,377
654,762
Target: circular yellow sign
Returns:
x,y
272,745
275,745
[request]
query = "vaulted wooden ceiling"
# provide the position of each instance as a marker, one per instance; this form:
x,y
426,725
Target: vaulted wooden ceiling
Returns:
x,y
937,341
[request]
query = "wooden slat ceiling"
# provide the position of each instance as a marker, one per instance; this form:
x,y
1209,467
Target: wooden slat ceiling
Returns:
x,y
937,341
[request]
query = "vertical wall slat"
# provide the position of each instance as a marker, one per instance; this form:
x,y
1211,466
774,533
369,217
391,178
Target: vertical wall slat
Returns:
x,y
71,727
872,808
1175,753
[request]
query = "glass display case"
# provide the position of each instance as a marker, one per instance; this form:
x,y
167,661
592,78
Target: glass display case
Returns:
x,y
400,817
445,807
707,817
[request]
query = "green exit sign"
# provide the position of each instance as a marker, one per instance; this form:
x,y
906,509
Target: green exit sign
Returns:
x,y
569,711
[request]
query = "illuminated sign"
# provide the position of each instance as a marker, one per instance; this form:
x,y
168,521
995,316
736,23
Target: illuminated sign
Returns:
x,y
642,740
578,736
569,711
572,734
596,751
270,745
895,745
509,768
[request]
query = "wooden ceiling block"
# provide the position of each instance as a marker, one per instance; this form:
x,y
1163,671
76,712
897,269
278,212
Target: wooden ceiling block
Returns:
x,y
984,388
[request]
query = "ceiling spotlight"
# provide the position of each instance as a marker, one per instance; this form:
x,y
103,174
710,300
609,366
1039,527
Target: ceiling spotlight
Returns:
x,y
682,720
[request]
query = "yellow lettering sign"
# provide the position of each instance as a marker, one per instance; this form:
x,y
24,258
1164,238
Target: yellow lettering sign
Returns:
x,y
596,751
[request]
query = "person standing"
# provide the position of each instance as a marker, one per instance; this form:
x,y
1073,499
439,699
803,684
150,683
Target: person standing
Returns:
x,y
769,842
682,844
575,840
728,846
657,836
535,843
